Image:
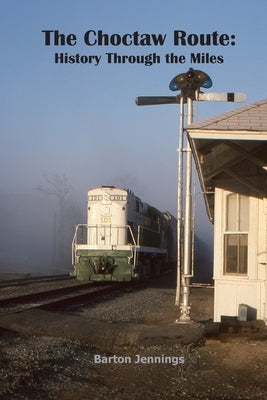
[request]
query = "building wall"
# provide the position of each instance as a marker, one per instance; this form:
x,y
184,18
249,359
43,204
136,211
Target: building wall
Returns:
x,y
232,289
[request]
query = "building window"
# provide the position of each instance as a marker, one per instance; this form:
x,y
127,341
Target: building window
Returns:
x,y
236,234
235,253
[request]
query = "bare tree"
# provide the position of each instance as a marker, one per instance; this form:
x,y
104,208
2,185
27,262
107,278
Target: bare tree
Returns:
x,y
59,187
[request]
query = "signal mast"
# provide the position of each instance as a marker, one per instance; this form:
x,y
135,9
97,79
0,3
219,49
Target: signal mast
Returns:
x,y
189,84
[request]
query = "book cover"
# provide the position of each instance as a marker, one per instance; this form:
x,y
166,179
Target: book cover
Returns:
x,y
75,115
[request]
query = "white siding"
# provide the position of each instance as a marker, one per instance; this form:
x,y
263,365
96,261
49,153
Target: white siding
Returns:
x,y
250,289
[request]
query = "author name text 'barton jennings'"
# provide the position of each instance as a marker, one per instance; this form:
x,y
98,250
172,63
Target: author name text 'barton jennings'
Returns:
x,y
138,359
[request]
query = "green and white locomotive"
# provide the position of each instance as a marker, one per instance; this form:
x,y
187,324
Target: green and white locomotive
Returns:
x,y
124,239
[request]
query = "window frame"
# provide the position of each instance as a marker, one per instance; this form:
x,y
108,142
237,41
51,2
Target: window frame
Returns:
x,y
239,256
238,234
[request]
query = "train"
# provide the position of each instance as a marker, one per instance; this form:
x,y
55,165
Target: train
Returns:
x,y
124,238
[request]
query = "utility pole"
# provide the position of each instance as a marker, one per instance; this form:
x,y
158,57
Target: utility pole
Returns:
x,y
189,84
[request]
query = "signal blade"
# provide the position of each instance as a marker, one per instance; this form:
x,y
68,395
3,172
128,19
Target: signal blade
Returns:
x,y
157,100
232,97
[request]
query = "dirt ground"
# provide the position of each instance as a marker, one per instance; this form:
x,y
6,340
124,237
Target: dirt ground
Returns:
x,y
46,355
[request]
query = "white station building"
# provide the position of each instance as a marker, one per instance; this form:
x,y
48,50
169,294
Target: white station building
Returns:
x,y
230,152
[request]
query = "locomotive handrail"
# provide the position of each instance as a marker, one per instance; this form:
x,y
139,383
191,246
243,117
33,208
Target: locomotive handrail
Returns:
x,y
74,242
96,227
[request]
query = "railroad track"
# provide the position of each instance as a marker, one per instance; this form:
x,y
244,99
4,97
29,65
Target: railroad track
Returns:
x,y
34,279
67,298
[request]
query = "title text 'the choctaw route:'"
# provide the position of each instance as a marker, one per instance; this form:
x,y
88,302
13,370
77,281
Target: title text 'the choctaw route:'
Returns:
x,y
100,38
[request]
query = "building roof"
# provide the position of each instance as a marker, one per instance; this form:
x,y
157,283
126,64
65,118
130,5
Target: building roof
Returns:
x,y
249,118
230,152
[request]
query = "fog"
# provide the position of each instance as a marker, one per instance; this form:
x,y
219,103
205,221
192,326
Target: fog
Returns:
x,y
37,226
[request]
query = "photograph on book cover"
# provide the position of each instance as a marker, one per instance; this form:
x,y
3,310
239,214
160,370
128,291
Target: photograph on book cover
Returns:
x,y
133,199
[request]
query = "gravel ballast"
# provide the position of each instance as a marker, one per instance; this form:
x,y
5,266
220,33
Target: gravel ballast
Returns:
x,y
129,347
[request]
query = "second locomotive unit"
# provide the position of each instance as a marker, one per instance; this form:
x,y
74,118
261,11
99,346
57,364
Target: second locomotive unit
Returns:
x,y
124,238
